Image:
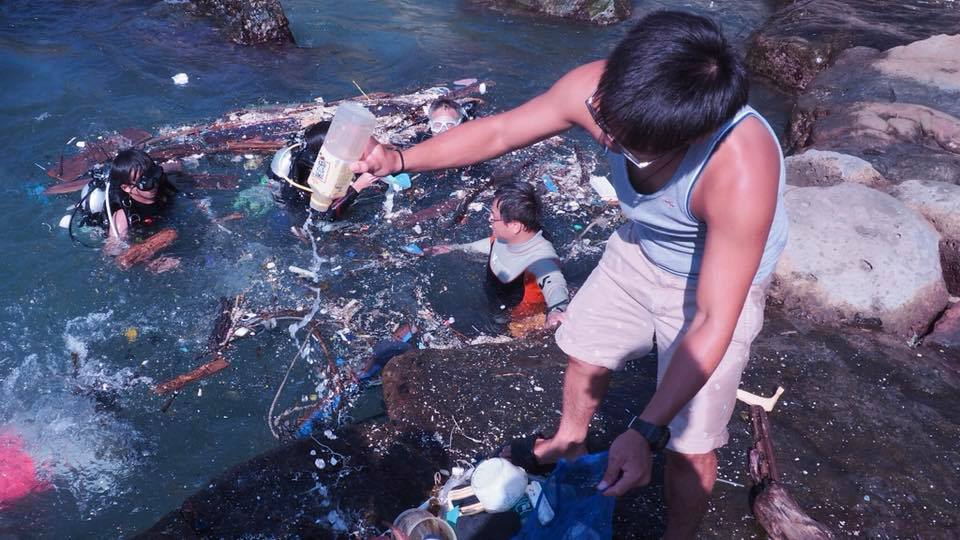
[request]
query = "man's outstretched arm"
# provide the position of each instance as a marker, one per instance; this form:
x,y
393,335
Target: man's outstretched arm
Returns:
x,y
552,112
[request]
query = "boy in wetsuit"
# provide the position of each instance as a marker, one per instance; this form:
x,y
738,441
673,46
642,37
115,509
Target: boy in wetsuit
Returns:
x,y
519,256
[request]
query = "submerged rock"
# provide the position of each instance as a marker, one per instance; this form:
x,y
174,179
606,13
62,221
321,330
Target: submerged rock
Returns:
x,y
248,22
806,36
858,256
602,12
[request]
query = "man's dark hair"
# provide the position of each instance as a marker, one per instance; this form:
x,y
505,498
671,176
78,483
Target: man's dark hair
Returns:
x,y
518,202
672,79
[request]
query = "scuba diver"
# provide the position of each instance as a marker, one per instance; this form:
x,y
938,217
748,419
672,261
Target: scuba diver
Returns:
x,y
132,196
445,113
523,268
292,165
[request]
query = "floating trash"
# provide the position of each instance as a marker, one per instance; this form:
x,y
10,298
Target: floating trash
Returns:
x,y
180,79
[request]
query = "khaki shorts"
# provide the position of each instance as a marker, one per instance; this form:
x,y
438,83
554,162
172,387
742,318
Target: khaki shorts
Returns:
x,y
625,302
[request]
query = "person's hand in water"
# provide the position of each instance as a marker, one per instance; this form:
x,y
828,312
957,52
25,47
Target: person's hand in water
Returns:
x,y
364,181
378,160
629,464
554,319
439,249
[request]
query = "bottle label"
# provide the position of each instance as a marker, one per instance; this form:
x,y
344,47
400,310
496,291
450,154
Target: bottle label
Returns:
x,y
330,176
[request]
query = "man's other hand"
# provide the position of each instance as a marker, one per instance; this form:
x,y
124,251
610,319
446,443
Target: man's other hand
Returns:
x,y
629,464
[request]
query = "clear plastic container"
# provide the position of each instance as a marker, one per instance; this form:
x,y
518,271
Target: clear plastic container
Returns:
x,y
349,132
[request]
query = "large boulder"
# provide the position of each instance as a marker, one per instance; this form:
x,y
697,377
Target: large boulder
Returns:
x,y
825,168
859,256
248,22
601,12
939,202
805,36
899,110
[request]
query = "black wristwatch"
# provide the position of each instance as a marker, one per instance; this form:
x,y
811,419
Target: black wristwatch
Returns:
x,y
657,436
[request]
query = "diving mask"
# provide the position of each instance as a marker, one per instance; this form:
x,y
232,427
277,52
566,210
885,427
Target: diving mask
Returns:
x,y
149,180
282,162
439,125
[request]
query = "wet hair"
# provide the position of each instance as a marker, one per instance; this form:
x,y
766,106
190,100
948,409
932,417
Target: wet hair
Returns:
x,y
314,135
445,102
127,164
672,79
313,138
518,202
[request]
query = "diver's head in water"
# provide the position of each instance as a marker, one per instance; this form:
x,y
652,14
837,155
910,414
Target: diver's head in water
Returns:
x,y
137,175
443,114
313,138
515,212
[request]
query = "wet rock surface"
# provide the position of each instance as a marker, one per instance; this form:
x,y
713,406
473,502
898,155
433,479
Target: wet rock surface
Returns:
x,y
897,109
865,439
247,22
601,12
806,36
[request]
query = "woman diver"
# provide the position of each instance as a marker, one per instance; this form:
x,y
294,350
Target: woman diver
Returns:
x,y
130,197
292,165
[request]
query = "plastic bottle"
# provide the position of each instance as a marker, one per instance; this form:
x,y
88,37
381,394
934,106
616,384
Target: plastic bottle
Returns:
x,y
349,132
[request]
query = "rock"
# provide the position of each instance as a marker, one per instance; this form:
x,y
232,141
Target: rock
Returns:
x,y
859,256
850,390
940,204
601,12
899,110
248,22
369,475
946,332
825,168
805,37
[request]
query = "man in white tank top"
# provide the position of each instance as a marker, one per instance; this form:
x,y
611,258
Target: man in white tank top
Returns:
x,y
702,189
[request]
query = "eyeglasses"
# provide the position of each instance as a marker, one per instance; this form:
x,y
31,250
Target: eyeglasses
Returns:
x,y
637,162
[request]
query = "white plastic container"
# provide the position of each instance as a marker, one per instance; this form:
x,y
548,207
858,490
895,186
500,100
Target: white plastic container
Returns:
x,y
349,132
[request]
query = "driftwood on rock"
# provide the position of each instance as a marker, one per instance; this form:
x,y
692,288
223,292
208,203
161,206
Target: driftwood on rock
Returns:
x,y
778,513
144,251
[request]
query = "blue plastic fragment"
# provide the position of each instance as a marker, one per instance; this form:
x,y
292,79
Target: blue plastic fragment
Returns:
x,y
351,253
340,361
547,181
413,249
382,353
398,182
36,192
324,412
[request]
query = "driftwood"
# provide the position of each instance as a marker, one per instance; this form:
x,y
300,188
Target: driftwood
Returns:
x,y
262,129
224,329
776,511
145,250
211,367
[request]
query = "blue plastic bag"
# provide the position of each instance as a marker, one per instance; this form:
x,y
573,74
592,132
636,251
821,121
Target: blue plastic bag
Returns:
x,y
580,511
